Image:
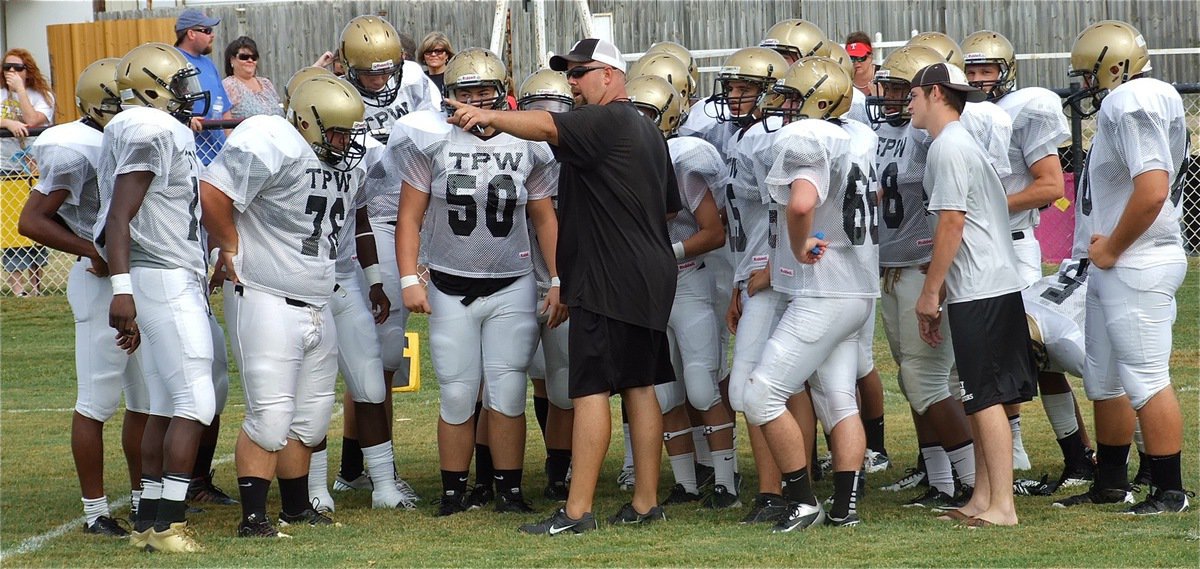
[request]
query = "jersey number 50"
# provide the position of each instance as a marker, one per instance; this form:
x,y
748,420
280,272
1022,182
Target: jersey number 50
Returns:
x,y
499,209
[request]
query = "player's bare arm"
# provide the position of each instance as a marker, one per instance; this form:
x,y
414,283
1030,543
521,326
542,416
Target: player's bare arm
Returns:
x,y
537,126
129,190
947,238
368,256
800,211
545,223
1150,190
217,217
38,222
1046,187
711,234
413,204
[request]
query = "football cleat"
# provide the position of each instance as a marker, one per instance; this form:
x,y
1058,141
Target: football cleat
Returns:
x,y
450,504
933,499
559,522
766,508
876,461
850,520
912,478
556,491
1161,502
106,526
960,499
392,500
310,516
479,496
799,516
323,504
1096,495
1142,478
255,525
202,490
720,499
706,476
178,538
406,490
363,482
680,495
628,516
513,502
825,463
625,479
138,539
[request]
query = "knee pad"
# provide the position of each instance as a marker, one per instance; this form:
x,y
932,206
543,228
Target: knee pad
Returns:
x,y
701,385
670,395
667,436
762,404
506,395
391,338
268,428
457,401
310,422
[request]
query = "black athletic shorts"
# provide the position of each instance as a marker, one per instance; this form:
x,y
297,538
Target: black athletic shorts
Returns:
x,y
607,355
992,351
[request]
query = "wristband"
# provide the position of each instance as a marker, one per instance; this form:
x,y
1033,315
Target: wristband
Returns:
x,y
678,247
121,284
409,280
372,275
555,282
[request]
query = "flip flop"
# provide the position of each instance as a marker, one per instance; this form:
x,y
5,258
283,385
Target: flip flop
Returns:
x,y
953,516
976,523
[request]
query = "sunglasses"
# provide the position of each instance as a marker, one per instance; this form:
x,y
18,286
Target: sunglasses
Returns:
x,y
860,59
436,51
579,72
206,31
248,56
14,67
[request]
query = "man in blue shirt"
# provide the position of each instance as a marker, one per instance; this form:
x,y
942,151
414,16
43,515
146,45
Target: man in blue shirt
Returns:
x,y
194,35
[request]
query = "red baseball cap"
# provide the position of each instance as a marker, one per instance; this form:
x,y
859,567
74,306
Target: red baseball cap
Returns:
x,y
858,49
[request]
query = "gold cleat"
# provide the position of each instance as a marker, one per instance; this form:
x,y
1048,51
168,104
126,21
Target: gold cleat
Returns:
x,y
179,538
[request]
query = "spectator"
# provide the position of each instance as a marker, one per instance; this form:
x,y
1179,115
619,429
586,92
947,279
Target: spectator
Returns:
x,y
194,35
434,53
331,60
25,102
249,94
410,47
858,45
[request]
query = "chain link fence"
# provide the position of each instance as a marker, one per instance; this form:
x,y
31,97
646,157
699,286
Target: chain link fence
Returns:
x,y
31,269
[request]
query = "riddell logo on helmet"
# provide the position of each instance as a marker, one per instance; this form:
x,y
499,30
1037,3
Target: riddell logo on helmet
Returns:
x,y
883,74
469,77
974,56
380,65
731,70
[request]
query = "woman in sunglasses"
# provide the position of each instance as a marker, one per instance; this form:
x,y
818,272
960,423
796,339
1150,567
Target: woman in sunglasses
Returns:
x,y
858,45
248,93
435,52
25,102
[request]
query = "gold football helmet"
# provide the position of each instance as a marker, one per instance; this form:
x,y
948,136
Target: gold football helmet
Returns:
x,y
156,75
893,81
985,47
96,91
546,90
812,88
1105,54
304,74
371,46
796,39
941,43
328,112
658,100
684,55
839,54
666,66
477,67
760,67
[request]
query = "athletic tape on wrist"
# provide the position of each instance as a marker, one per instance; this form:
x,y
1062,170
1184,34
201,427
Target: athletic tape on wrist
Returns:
x,y
678,248
409,280
121,284
372,275
555,281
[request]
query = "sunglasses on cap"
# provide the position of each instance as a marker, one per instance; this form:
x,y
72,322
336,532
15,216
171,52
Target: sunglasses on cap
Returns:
x,y
248,56
579,72
14,67
205,30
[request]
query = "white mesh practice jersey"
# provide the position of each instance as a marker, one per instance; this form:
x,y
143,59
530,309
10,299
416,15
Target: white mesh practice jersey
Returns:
x,y
702,123
699,171
1140,127
751,218
478,190
1038,128
1064,293
838,159
904,235
991,128
858,107
347,253
165,232
417,93
290,208
66,156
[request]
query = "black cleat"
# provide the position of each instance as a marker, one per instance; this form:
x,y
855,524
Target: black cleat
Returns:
x,y
680,495
479,496
109,527
557,491
559,522
1162,502
203,491
705,476
799,516
720,499
959,500
912,478
513,503
850,520
629,516
258,526
309,516
767,508
1096,495
450,504
933,499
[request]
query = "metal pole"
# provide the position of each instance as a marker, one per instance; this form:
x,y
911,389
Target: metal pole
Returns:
x,y
1076,143
539,32
585,18
498,25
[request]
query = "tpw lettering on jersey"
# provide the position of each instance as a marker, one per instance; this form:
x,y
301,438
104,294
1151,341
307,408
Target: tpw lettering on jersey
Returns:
x,y
891,147
386,116
341,180
505,160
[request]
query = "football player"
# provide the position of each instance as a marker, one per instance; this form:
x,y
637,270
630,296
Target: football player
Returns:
x,y
548,90
482,299
275,198
148,231
391,87
66,156
1130,197
1035,181
822,178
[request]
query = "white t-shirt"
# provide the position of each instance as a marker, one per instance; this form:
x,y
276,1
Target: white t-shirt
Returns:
x,y
10,108
960,177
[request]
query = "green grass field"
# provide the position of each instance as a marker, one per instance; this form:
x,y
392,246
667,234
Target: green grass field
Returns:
x,y
39,494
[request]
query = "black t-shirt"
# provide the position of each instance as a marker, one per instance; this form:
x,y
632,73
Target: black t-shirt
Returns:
x,y
615,189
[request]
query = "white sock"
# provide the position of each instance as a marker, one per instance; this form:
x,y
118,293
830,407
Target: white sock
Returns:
x,y
684,468
174,488
381,468
703,454
93,508
152,489
1014,423
963,459
937,469
135,499
1060,409
736,467
1137,436
628,448
318,474
724,462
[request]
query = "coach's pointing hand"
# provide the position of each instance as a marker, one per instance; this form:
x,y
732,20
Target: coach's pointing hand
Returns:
x,y
468,116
